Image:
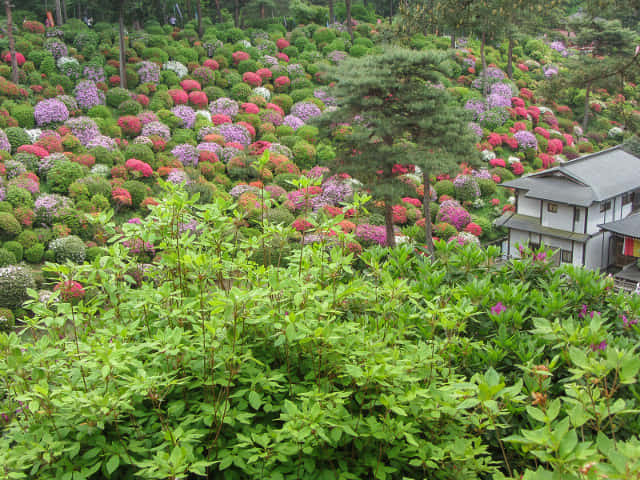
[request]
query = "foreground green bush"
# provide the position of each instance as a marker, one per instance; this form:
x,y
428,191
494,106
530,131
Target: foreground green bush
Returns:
x,y
207,365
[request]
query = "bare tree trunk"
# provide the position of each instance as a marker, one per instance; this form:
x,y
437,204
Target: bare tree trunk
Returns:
x,y
65,17
349,25
510,58
123,53
58,13
426,211
236,13
390,8
219,10
199,11
332,16
585,119
262,11
12,44
388,220
188,10
485,87
453,40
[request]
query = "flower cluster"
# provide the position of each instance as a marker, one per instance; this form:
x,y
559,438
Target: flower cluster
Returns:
x,y
104,142
156,128
526,140
186,114
50,111
48,207
292,121
305,111
224,106
187,154
334,192
452,213
235,133
95,73
57,48
84,128
372,233
177,176
149,72
88,95
176,67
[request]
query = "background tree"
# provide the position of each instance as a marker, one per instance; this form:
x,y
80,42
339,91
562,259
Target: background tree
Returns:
x,y
398,114
12,43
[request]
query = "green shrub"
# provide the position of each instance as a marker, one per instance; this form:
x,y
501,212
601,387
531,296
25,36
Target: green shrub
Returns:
x,y
304,153
63,174
444,187
140,152
34,253
7,320
9,226
503,173
129,107
488,187
241,92
24,115
95,252
14,283
19,197
280,215
138,190
15,248
27,238
284,101
7,258
17,137
68,248
117,95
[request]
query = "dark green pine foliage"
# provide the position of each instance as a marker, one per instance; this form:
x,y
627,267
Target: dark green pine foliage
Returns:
x,y
392,112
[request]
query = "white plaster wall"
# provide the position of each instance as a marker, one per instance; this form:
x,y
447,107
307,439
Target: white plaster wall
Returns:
x,y
577,253
596,257
562,219
528,206
596,217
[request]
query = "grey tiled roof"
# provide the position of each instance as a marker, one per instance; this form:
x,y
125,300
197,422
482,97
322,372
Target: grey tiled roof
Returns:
x,y
628,226
585,180
532,224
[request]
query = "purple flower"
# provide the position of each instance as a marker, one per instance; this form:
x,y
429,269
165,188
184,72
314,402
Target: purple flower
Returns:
x,y
156,128
293,122
334,192
475,128
452,213
147,117
103,141
84,128
627,323
49,206
498,308
209,147
50,111
4,142
599,346
526,140
583,311
477,106
372,233
305,111
224,106
238,190
187,154
186,114
235,133
149,72
326,99
56,48
88,95
178,176
95,73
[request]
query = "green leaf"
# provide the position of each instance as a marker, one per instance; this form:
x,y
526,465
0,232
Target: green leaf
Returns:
x,y
112,464
254,400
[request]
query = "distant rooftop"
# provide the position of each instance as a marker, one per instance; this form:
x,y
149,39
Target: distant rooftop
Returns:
x,y
592,178
627,227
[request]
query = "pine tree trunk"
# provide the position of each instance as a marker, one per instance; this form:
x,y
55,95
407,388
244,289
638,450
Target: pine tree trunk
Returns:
x,y
219,10
199,11
388,220
390,8
453,40
65,17
58,13
236,13
123,51
12,44
188,11
428,233
332,16
585,119
349,24
485,88
262,11
510,58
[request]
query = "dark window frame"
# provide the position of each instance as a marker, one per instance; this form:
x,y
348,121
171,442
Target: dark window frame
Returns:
x,y
566,256
552,207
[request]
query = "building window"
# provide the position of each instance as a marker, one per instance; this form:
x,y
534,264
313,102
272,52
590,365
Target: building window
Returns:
x,y
604,206
627,198
577,215
566,256
552,207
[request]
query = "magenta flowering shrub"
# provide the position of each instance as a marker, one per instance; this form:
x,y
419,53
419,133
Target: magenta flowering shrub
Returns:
x,y
186,114
187,154
451,212
464,238
88,95
334,192
84,128
238,190
50,110
148,72
305,111
147,117
374,234
224,106
156,128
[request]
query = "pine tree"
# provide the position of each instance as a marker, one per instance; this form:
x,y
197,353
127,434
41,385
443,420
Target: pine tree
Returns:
x,y
398,114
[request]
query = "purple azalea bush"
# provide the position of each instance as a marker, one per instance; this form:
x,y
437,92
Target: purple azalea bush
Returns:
x,y
156,128
50,110
149,72
526,140
88,95
186,114
235,133
187,154
305,111
84,128
224,106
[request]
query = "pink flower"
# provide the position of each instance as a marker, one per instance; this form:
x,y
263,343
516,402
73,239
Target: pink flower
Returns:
x,y
498,308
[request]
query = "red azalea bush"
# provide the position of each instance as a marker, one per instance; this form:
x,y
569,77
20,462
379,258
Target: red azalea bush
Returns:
x,y
190,85
19,58
139,167
85,159
282,56
37,150
210,63
495,140
250,108
252,79
497,162
543,132
282,43
554,147
517,168
142,99
179,97
473,229
198,99
240,57
130,125
301,225
121,197
282,82
277,108
220,118
70,290
264,73
399,214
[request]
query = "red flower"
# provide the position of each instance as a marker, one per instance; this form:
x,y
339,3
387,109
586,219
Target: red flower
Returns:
x,y
239,57
179,97
212,64
474,229
282,43
282,56
220,118
282,81
198,99
70,290
252,79
190,85
517,168
265,73
250,108
19,58
301,225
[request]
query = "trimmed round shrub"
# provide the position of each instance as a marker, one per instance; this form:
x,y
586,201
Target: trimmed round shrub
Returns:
x,y
34,253
27,239
7,258
17,137
444,187
466,188
280,215
15,248
14,283
138,190
23,113
487,187
68,248
116,96
63,174
9,226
